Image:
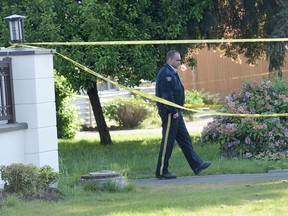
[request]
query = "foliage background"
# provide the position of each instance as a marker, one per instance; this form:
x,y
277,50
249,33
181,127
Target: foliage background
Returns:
x,y
66,114
90,20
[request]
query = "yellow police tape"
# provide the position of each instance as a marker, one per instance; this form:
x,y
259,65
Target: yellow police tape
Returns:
x,y
200,82
166,102
145,42
143,94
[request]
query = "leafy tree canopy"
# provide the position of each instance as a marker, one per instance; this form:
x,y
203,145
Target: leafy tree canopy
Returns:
x,y
249,19
91,20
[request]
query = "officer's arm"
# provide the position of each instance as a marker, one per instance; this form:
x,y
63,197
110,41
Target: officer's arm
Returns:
x,y
167,89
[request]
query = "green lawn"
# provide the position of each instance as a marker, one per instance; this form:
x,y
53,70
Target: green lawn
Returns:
x,y
269,198
135,156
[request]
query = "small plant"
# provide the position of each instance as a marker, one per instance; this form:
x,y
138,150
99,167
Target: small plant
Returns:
x,y
193,99
248,137
11,201
128,113
19,178
46,176
27,179
209,98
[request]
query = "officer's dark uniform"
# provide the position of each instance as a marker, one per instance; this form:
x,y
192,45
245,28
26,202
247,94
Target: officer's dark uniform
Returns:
x,y
169,87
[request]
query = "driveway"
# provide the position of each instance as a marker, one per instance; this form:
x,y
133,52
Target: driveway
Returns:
x,y
193,126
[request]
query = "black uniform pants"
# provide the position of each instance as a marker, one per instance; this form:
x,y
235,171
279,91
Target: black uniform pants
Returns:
x,y
175,129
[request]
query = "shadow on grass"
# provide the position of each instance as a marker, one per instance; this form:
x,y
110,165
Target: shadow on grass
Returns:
x,y
208,199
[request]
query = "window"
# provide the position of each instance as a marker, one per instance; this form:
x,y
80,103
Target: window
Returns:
x,y
7,108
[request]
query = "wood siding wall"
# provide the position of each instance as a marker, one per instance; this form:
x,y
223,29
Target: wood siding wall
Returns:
x,y
216,74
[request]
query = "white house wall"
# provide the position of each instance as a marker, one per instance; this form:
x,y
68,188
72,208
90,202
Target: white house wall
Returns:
x,y
34,94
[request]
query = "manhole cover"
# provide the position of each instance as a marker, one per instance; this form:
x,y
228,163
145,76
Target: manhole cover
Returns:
x,y
99,178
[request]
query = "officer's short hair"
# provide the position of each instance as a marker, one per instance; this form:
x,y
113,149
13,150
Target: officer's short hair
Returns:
x,y
171,53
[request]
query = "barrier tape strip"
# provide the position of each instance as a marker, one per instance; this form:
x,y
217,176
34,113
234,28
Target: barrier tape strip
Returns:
x,y
146,42
143,94
166,102
201,82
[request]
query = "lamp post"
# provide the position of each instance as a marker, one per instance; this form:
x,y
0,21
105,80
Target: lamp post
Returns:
x,y
16,28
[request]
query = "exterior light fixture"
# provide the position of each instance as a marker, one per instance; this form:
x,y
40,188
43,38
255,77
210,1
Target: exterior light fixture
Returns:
x,y
16,28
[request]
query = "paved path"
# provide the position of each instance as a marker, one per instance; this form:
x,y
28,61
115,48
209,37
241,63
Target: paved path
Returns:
x,y
270,176
196,126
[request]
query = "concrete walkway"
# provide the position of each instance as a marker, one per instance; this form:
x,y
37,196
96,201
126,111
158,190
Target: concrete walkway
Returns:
x,y
272,175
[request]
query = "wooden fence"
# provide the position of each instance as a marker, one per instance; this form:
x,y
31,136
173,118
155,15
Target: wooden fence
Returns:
x,y
216,74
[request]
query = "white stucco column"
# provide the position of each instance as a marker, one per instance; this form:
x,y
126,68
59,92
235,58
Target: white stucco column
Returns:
x,y
34,94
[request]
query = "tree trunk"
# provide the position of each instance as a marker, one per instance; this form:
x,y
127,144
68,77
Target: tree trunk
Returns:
x,y
105,138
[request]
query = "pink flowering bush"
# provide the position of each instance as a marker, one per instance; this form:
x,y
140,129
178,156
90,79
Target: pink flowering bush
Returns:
x,y
256,137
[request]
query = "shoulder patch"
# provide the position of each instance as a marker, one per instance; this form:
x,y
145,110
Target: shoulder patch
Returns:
x,y
168,78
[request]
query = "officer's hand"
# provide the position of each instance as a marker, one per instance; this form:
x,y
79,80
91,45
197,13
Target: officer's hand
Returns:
x,y
175,115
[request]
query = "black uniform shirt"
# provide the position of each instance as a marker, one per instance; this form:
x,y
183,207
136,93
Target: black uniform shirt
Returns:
x,y
169,87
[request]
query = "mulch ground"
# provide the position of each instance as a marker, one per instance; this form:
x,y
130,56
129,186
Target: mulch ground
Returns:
x,y
46,196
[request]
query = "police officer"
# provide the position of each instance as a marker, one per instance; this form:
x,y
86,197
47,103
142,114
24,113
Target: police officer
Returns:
x,y
169,87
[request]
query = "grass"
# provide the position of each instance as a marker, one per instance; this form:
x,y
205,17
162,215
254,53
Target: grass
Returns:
x,y
269,198
135,155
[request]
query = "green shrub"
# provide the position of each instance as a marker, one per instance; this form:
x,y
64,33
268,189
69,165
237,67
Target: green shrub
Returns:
x,y
27,179
193,99
66,114
46,176
253,137
19,178
128,113
209,98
